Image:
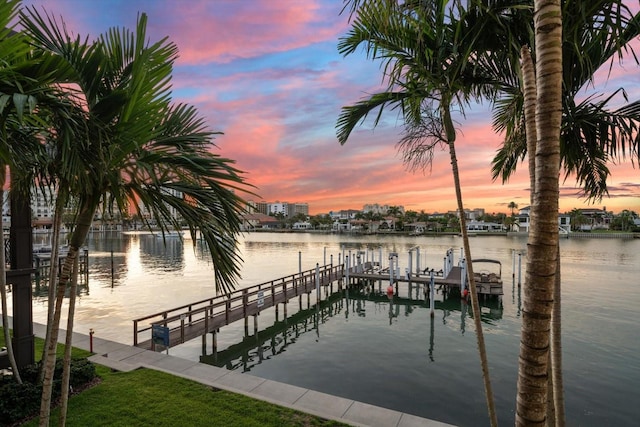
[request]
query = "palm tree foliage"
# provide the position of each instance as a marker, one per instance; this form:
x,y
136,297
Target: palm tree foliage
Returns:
x,y
132,145
594,131
136,145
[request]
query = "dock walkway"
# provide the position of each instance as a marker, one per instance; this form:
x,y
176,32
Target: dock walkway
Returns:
x,y
181,324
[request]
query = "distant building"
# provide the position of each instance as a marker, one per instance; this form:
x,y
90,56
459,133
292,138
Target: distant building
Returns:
x,y
469,214
484,227
258,221
598,219
299,208
523,221
345,214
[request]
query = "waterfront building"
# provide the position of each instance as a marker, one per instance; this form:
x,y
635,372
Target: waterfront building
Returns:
x,y
597,219
469,214
257,220
484,227
523,221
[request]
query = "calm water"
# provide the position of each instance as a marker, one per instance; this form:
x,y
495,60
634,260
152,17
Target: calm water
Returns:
x,y
392,355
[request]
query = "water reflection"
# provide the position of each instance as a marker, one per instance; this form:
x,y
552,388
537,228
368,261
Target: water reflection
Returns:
x,y
274,340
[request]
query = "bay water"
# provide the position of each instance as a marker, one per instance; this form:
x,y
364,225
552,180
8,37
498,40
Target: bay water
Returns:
x,y
393,354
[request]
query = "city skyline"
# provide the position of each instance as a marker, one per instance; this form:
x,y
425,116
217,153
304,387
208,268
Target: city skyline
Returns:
x,y
269,76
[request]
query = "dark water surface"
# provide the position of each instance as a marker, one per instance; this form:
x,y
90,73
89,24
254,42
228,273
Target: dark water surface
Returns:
x,y
394,355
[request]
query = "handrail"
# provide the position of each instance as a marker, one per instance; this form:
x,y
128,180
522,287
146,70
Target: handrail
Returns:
x,y
199,311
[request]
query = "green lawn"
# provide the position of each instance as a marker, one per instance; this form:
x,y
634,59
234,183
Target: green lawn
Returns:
x,y
150,398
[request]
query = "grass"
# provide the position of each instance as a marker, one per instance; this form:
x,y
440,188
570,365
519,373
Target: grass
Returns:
x,y
150,398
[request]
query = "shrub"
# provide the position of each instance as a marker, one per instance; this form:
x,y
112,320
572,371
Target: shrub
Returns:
x,y
18,401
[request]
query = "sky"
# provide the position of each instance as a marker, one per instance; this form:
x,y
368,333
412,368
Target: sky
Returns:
x,y
268,75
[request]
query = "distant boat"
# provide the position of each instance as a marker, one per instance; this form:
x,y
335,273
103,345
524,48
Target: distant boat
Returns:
x,y
488,282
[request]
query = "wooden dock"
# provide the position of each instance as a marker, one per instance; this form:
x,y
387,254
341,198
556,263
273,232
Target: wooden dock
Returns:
x,y
181,324
450,282
178,325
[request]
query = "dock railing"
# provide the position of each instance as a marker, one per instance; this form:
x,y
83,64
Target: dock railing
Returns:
x,y
191,320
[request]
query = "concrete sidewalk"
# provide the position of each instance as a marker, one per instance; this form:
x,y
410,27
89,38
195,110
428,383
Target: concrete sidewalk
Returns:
x,y
122,357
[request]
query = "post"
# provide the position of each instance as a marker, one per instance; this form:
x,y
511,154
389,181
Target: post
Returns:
x,y
91,340
432,287
325,255
519,268
391,268
21,259
299,261
418,270
318,283
347,274
463,275
86,266
513,263
112,269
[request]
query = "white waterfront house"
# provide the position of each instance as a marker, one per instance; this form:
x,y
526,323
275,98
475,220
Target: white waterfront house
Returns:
x,y
484,227
523,221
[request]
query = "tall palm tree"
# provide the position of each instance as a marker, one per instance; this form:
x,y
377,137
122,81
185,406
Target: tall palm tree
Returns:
x,y
429,70
512,206
137,147
592,134
543,244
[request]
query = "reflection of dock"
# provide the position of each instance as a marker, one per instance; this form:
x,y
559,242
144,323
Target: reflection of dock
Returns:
x,y
275,339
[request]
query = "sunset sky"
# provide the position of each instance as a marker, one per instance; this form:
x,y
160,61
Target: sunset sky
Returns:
x,y
268,75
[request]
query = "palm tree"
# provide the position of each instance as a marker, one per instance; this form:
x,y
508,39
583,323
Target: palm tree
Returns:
x,y
137,147
509,222
543,93
429,70
28,101
513,206
594,33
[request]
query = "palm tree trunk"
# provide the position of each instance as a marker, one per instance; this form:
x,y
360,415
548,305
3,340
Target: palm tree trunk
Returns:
x,y
542,253
50,360
66,366
87,210
475,306
3,293
556,388
53,275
